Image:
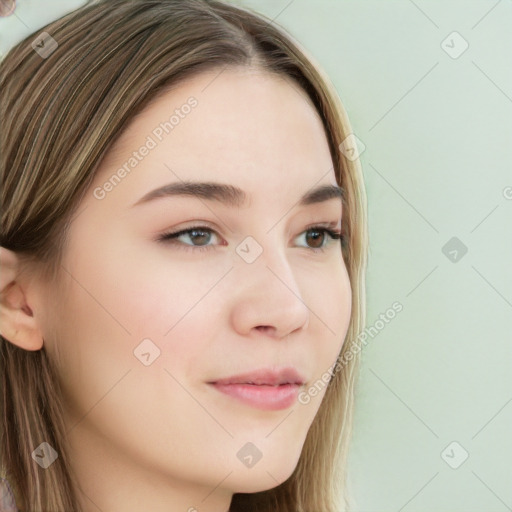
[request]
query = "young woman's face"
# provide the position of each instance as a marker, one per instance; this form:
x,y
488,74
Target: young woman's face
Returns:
x,y
148,326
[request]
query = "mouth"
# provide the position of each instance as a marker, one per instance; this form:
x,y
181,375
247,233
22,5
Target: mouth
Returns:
x,y
263,389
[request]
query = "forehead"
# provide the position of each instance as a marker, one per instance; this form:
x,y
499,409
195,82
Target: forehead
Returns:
x,y
242,126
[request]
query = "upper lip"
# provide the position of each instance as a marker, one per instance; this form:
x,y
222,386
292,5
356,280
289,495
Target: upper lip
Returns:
x,y
265,376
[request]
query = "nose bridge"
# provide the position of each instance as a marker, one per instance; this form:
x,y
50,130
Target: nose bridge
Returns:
x,y
269,294
266,256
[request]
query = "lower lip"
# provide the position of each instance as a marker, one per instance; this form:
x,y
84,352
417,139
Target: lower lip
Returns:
x,y
267,398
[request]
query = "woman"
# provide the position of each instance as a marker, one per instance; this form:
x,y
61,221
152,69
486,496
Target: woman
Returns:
x,y
183,248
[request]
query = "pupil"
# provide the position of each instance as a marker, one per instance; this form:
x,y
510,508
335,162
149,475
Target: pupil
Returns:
x,y
195,231
317,238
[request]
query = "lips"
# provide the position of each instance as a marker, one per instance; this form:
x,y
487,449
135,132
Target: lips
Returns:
x,y
267,390
265,377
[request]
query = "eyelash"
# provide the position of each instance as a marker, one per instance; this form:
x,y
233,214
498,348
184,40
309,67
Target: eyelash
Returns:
x,y
170,238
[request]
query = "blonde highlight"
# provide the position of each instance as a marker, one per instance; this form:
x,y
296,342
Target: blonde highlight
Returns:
x,y
62,115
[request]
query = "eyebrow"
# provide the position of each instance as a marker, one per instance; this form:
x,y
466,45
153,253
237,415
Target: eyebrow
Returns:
x,y
233,196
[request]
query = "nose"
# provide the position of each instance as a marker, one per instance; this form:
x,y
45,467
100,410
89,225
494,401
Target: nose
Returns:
x,y
268,298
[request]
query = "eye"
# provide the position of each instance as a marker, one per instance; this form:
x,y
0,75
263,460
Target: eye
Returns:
x,y
203,234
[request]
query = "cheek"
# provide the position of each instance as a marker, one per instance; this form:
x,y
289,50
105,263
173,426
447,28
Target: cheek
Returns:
x,y
105,318
330,304
177,307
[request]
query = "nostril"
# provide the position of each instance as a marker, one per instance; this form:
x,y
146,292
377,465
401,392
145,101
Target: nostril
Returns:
x,y
264,328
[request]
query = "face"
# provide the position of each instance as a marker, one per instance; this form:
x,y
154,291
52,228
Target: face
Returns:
x,y
150,326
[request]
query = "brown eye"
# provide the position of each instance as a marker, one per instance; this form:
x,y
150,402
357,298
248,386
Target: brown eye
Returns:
x,y
317,238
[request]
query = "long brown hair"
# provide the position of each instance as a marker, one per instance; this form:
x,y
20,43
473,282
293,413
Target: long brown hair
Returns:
x,y
60,114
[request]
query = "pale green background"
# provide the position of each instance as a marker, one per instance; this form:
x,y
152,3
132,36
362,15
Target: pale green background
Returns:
x,y
438,137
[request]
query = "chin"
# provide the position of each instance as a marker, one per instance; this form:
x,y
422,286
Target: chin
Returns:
x,y
263,479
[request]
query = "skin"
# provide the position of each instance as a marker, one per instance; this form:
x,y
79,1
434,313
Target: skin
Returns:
x,y
158,437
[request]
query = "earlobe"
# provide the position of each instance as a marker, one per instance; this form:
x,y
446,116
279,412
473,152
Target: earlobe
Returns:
x,y
18,324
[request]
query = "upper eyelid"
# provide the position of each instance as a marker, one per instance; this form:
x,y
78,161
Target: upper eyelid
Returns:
x,y
206,223
201,224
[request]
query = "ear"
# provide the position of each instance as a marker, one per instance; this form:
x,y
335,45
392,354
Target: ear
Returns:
x,y
17,322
